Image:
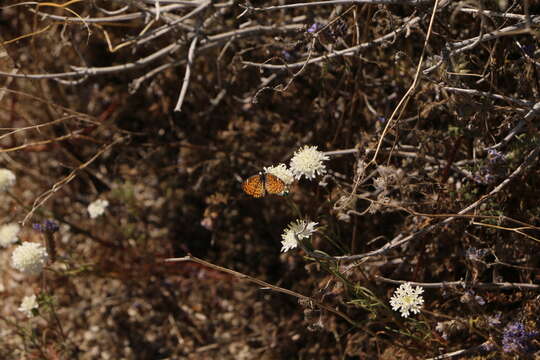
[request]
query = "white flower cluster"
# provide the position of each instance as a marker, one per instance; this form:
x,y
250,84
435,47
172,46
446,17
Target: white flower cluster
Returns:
x,y
407,299
308,162
7,179
29,258
281,172
296,231
97,208
9,234
28,304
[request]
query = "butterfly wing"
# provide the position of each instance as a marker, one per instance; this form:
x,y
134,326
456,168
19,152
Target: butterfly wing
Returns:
x,y
273,184
254,186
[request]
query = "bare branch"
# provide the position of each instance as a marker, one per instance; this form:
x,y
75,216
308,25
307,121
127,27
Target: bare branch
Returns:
x,y
185,82
520,102
531,115
340,2
345,52
465,284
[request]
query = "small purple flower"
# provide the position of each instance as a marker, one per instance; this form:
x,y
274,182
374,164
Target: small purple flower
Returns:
x,y
495,156
48,226
313,28
516,338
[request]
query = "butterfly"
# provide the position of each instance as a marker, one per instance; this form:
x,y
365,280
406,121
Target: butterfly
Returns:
x,y
261,184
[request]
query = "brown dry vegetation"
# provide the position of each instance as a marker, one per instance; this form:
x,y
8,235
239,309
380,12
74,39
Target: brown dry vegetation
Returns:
x,y
423,184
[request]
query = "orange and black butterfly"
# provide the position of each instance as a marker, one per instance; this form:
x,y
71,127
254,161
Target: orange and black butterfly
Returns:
x,y
261,184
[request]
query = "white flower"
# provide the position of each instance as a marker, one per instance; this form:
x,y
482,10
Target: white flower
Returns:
x,y
29,258
7,179
308,161
296,231
28,304
281,172
97,208
9,234
407,299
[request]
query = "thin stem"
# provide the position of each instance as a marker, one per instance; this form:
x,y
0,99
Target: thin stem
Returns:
x,y
185,82
464,284
405,99
265,285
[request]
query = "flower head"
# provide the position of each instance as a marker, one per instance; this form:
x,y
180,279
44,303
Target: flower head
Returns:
x,y
450,328
7,179
29,258
516,338
407,299
297,230
28,305
97,208
9,234
308,161
281,172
